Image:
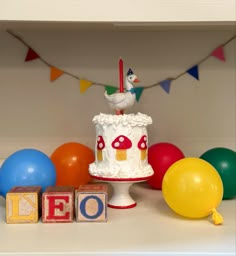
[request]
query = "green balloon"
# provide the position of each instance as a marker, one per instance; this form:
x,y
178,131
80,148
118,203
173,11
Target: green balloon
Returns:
x,y
224,161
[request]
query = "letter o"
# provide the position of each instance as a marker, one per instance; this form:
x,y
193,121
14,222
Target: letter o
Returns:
x,y
83,207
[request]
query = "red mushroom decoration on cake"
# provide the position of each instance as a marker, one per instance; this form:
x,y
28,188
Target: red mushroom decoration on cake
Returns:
x,y
121,144
100,147
142,145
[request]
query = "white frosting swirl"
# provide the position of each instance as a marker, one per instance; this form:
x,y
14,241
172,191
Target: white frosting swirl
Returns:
x,y
126,120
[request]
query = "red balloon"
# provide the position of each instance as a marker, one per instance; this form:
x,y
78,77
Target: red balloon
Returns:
x,y
161,156
72,162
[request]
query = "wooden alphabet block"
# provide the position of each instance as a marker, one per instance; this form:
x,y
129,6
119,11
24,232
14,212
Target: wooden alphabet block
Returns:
x,y
58,204
91,203
22,204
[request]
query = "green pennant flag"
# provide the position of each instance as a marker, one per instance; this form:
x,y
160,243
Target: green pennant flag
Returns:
x,y
138,92
110,89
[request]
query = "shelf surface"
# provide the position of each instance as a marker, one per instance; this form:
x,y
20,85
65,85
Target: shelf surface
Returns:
x,y
149,228
119,11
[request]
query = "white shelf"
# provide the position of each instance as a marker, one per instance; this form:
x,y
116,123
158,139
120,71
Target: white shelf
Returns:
x,y
119,11
150,228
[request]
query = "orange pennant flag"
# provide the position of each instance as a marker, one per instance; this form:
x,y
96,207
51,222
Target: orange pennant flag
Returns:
x,y
55,73
84,85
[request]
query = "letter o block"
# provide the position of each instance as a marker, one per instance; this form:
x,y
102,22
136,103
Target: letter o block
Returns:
x,y
91,203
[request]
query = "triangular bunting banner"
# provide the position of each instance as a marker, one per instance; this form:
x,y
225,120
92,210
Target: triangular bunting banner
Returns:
x,y
31,55
110,89
55,73
219,53
84,85
165,85
193,72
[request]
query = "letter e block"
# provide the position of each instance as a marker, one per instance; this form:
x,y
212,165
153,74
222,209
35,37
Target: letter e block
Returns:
x,y
58,204
22,204
91,203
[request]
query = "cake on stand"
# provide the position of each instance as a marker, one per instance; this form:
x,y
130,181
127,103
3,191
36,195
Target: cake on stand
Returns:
x,y
121,145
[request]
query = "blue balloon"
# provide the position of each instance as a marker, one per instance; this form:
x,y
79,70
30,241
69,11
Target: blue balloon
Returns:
x,y
27,167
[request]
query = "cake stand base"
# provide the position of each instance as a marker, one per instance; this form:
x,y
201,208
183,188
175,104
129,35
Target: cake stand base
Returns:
x,y
121,198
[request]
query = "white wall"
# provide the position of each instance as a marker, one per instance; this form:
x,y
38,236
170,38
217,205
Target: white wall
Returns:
x,y
37,113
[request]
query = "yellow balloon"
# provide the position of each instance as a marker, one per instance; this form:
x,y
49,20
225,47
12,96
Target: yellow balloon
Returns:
x,y
192,188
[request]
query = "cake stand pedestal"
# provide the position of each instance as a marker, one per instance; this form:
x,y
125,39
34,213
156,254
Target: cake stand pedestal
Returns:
x,y
121,198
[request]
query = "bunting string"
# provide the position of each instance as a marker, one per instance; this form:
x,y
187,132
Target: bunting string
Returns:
x,y
165,84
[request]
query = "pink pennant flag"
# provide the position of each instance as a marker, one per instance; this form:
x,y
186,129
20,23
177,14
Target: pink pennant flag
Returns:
x,y
219,53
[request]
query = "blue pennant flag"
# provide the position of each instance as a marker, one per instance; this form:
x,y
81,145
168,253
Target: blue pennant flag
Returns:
x,y
165,85
138,91
193,72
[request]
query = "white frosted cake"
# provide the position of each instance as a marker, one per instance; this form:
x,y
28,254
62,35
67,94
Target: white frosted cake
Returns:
x,y
121,147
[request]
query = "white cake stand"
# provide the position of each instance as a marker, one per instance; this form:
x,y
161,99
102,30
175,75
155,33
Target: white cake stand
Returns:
x,y
121,198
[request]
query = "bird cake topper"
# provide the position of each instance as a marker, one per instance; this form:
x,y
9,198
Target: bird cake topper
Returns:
x,y
123,99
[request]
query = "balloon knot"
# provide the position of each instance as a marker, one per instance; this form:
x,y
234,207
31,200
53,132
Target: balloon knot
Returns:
x,y
216,217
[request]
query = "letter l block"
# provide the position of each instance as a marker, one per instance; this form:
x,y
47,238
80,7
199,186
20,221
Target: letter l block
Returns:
x,y
22,204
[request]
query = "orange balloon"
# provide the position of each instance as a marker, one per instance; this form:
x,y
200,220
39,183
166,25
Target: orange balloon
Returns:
x,y
72,161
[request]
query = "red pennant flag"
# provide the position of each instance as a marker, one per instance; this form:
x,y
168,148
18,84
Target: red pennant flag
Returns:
x,y
31,55
219,53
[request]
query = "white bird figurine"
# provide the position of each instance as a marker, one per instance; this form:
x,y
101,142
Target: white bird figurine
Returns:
x,y
123,100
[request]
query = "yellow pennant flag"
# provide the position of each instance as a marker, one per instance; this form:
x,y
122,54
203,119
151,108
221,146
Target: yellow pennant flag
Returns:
x,y
55,73
84,85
